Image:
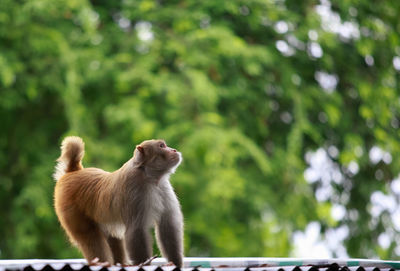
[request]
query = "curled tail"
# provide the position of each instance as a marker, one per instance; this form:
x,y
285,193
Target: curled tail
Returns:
x,y
72,151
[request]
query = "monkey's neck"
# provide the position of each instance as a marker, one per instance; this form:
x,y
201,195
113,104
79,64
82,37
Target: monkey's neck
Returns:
x,y
142,172
154,174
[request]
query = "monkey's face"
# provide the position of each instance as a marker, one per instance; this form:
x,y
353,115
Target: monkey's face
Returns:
x,y
156,155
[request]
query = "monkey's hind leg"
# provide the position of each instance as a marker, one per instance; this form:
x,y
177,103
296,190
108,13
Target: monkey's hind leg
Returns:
x,y
118,250
89,237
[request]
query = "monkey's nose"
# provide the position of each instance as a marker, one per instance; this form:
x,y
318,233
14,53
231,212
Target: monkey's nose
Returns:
x,y
173,150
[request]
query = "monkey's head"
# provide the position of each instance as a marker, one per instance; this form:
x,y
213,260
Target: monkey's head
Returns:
x,y
156,156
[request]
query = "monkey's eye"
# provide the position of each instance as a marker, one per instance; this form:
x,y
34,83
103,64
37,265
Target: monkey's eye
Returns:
x,y
162,145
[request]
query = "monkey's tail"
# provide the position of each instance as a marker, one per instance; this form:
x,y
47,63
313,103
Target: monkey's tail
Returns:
x,y
72,151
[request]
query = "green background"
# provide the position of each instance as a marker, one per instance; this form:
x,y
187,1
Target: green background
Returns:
x,y
246,90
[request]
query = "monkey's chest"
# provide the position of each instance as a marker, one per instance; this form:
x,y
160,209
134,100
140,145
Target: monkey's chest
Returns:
x,y
153,206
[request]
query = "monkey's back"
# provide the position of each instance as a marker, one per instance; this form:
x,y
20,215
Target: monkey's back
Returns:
x,y
82,191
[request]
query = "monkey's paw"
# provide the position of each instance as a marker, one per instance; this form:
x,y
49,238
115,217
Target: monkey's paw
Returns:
x,y
169,264
96,262
125,264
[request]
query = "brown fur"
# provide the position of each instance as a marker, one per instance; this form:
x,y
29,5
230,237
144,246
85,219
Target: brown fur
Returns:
x,y
108,215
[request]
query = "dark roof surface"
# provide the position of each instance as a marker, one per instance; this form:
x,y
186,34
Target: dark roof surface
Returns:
x,y
209,264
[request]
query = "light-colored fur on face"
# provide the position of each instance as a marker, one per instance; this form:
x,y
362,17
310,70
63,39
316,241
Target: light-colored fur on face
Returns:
x,y
108,215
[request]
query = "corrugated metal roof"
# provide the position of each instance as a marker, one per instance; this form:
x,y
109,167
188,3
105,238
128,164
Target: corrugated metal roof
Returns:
x,y
210,264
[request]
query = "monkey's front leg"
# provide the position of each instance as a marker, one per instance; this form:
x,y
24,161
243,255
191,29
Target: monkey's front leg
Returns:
x,y
139,244
169,233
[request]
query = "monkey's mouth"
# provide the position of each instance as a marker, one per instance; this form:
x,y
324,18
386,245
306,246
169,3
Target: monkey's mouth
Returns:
x,y
176,159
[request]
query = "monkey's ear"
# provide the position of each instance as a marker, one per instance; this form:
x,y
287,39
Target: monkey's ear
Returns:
x,y
138,154
140,149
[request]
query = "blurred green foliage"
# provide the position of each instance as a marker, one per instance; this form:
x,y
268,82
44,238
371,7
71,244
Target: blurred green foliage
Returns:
x,y
244,89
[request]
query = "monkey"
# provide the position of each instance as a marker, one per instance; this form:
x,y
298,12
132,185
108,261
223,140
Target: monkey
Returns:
x,y
109,215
